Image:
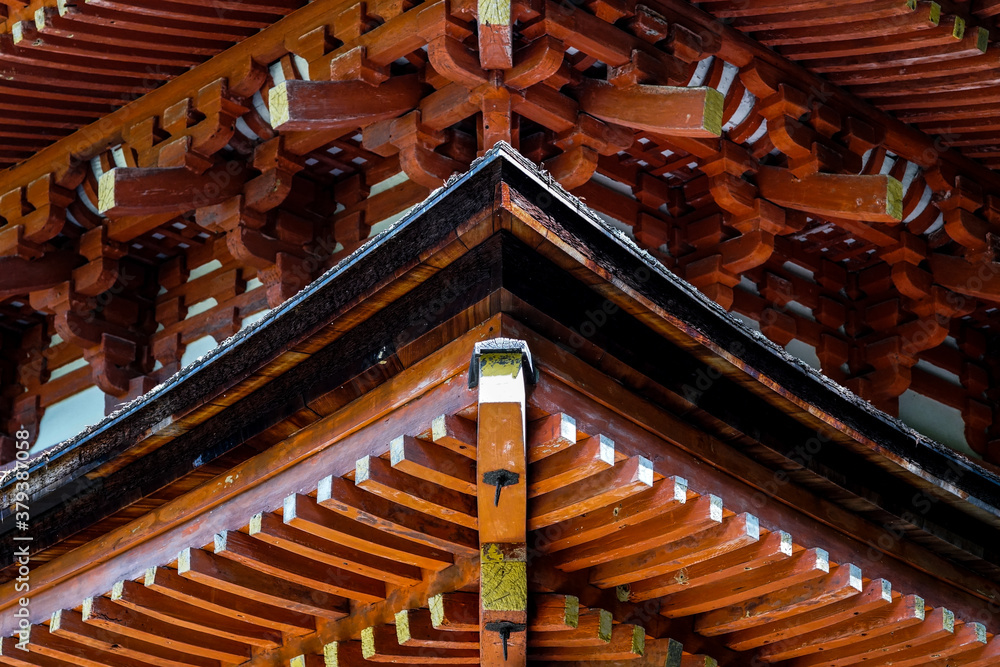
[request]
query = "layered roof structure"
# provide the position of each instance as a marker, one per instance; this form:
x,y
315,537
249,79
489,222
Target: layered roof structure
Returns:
x,y
572,496
702,257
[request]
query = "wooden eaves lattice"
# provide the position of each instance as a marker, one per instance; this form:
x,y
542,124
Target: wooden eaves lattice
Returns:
x,y
391,560
351,558
376,515
745,180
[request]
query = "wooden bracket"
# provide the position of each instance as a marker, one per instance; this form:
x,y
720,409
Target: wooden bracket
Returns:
x,y
35,214
684,112
452,60
876,198
340,105
535,63
141,191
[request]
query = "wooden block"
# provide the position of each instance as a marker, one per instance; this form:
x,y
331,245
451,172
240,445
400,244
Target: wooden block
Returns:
x,y
875,198
380,644
627,642
549,435
456,433
575,463
334,105
593,628
495,34
433,463
456,612
416,628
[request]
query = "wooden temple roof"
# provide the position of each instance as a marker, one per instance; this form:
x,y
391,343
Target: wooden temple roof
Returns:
x,y
649,524
662,203
756,175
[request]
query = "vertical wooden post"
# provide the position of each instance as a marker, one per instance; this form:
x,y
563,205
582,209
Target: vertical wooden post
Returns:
x,y
500,368
495,34
496,114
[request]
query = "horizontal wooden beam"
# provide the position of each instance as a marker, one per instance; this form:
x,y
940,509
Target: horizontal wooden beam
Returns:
x,y
332,105
682,112
874,198
19,276
138,191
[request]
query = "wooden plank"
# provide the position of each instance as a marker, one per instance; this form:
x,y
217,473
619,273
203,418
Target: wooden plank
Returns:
x,y
806,566
665,496
169,583
906,612
334,520
773,548
607,487
939,624
16,657
842,583
68,623
877,594
293,567
232,577
683,521
103,613
439,535
583,459
377,477
433,463
272,529
736,532
149,602
41,641
967,637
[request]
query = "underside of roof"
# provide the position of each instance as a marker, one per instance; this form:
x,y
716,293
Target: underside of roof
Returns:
x,y
745,243
692,493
